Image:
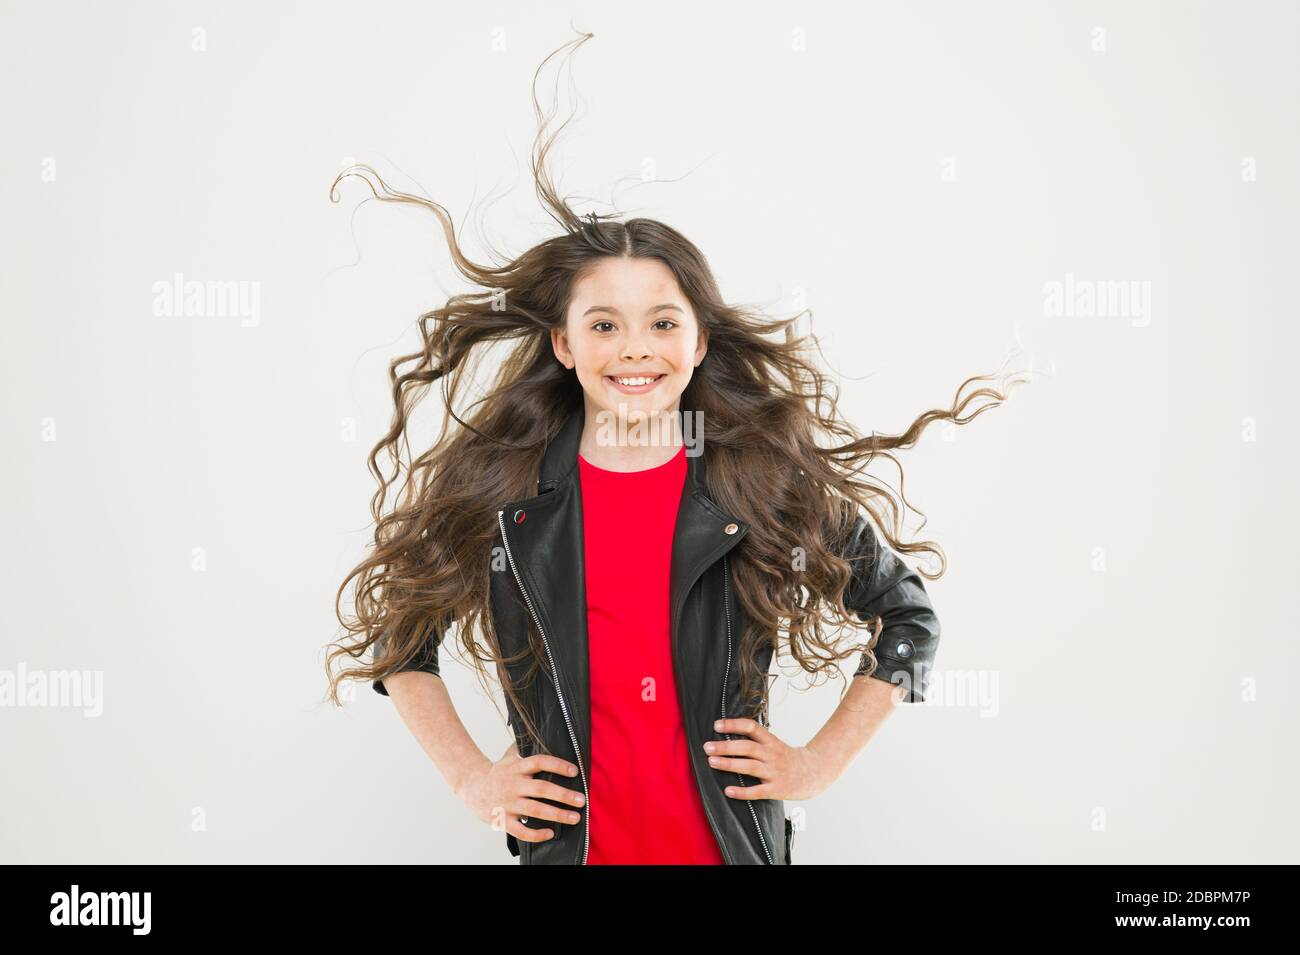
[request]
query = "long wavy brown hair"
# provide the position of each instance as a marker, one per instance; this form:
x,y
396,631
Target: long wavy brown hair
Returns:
x,y
777,453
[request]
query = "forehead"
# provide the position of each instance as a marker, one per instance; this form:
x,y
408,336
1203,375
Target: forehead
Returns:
x,y
632,282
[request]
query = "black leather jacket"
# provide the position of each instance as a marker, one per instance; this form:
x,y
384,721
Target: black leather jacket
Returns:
x,y
540,581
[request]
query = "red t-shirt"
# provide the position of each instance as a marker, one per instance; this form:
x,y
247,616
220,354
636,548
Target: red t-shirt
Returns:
x,y
645,808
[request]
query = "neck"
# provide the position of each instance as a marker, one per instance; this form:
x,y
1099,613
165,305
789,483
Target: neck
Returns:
x,y
637,442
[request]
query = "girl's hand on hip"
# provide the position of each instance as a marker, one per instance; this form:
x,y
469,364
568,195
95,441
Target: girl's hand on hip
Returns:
x,y
500,793
786,772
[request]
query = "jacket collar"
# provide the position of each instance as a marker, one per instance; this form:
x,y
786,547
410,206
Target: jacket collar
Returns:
x,y
704,531
560,461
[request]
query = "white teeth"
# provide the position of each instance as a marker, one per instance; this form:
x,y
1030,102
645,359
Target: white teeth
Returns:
x,y
633,382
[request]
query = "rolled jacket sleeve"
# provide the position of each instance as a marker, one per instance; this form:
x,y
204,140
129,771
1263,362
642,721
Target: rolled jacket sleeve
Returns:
x,y
425,659
883,585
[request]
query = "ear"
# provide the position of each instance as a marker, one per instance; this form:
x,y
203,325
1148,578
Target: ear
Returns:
x,y
560,345
702,348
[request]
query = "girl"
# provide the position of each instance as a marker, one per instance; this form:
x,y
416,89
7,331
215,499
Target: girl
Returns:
x,y
627,525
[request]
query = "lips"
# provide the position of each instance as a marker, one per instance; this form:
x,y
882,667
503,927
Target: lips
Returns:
x,y
634,389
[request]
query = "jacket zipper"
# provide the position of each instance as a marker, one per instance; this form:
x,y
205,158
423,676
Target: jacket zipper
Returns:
x,y
726,600
555,678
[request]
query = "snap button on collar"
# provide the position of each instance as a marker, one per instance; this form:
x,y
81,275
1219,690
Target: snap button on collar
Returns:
x,y
730,529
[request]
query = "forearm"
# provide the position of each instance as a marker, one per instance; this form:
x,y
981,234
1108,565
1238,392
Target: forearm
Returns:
x,y
426,708
866,704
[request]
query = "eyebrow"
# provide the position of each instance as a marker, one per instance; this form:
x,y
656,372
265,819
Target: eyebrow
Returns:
x,y
613,310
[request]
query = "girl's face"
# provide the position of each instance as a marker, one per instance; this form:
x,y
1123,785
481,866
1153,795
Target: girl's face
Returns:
x,y
627,318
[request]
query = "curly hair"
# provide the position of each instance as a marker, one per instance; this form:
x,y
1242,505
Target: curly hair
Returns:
x,y
777,452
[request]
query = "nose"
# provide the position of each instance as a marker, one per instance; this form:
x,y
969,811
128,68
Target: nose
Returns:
x,y
634,349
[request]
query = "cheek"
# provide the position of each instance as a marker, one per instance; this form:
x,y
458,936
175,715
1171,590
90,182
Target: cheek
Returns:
x,y
591,358
684,361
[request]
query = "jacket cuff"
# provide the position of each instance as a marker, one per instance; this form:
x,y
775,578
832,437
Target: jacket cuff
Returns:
x,y
914,677
378,685
425,660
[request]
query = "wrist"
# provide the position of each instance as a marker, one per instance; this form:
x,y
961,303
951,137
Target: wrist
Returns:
x,y
463,777
828,768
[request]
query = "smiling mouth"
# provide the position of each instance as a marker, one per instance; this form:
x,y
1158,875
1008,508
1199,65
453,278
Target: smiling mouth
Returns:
x,y
634,381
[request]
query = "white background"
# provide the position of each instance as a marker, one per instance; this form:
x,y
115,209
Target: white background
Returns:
x,y
1143,712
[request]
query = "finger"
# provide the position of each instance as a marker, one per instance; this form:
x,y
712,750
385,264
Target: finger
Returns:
x,y
750,767
745,727
541,789
533,809
543,763
734,747
762,791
